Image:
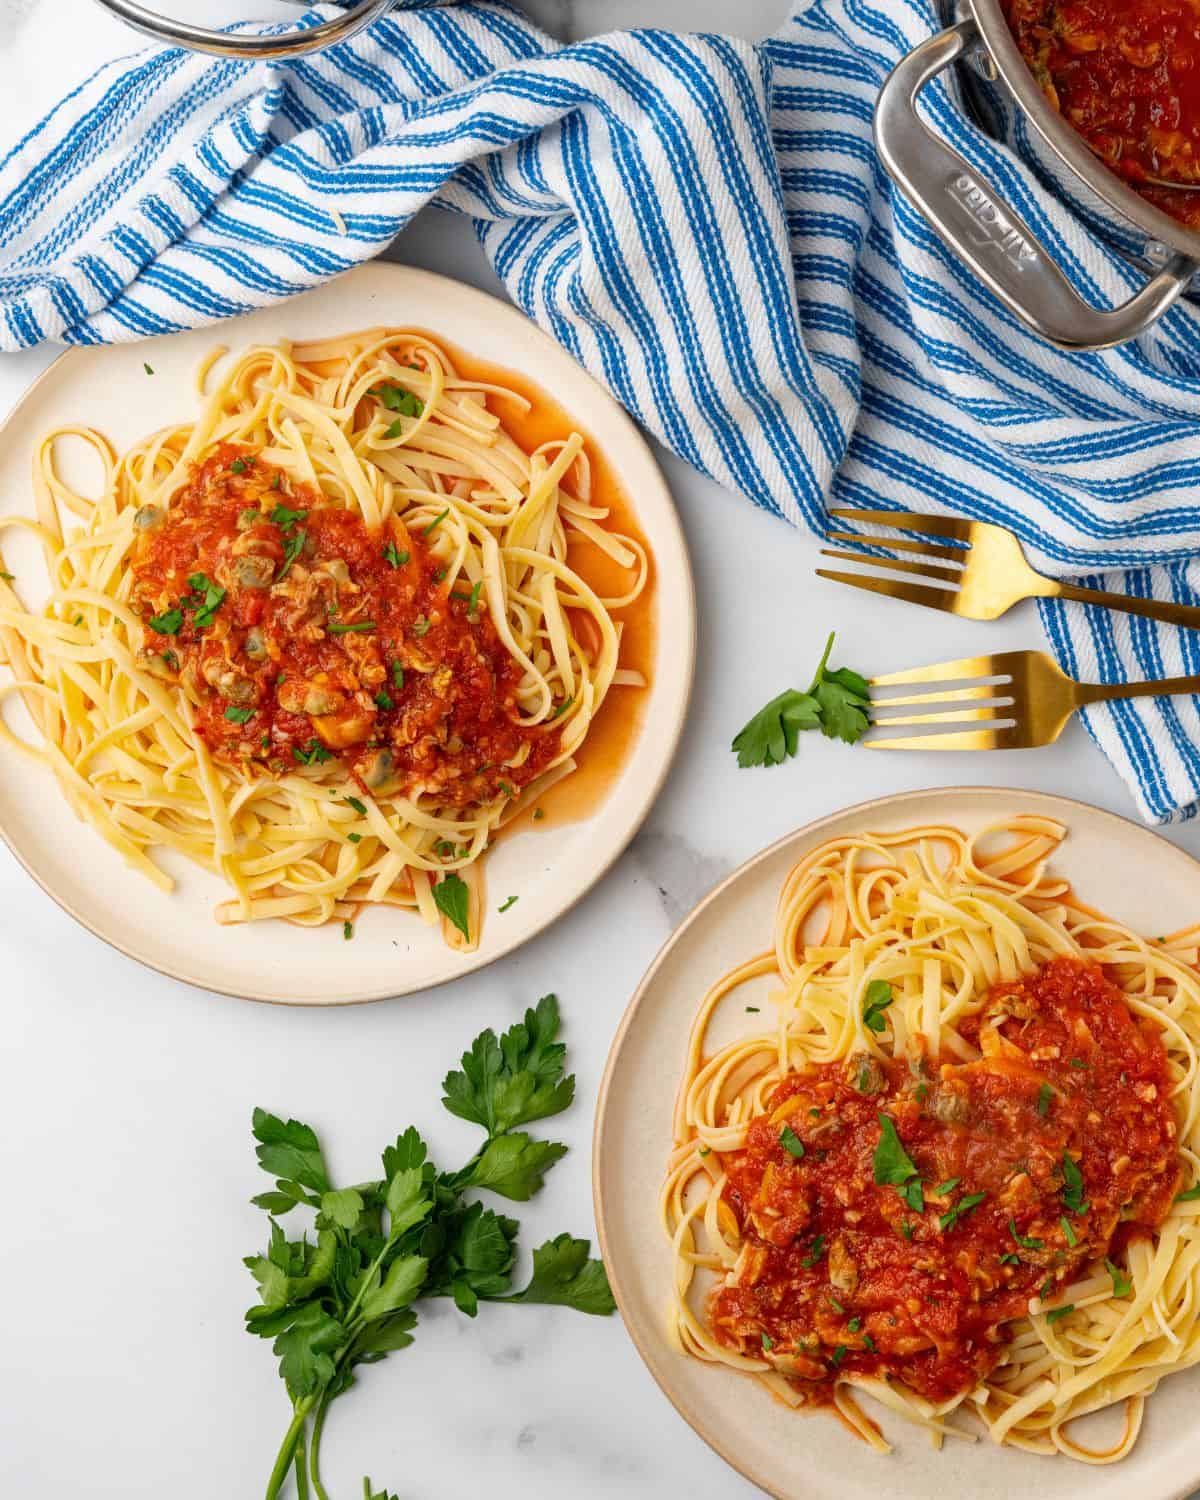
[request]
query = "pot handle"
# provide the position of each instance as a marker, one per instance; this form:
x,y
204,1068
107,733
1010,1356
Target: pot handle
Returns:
x,y
995,242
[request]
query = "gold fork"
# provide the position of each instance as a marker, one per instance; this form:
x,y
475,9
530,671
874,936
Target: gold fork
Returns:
x,y
1020,699
989,573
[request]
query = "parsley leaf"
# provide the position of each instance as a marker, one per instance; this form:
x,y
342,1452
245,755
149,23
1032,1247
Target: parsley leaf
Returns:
x,y
791,1142
292,549
1189,1195
396,398
1025,1242
563,1274
240,715
1072,1193
836,702
286,519
1122,1282
170,622
876,1000
515,1165
964,1206
1045,1095
454,902
289,1149
392,555
514,1080
892,1164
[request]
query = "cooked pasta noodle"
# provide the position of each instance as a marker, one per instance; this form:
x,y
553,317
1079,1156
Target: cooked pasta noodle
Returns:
x,y
257,719
908,965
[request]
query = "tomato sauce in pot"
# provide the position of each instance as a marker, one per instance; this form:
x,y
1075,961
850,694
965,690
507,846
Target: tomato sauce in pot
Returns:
x,y
1126,75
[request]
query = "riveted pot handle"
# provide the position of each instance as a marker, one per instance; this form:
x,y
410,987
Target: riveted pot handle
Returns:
x,y
970,218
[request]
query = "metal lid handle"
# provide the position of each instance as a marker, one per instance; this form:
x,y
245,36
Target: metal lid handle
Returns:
x,y
971,219
222,44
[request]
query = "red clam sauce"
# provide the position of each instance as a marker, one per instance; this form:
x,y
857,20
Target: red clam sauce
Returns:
x,y
302,636
1001,1179
1126,75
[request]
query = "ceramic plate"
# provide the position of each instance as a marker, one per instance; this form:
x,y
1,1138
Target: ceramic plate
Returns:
x,y
1118,866
550,868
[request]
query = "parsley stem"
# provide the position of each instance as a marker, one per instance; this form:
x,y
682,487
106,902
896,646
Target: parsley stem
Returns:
x,y
301,1468
287,1449
822,664
315,1451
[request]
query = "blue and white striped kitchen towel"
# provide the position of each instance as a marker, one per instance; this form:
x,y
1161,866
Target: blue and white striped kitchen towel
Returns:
x,y
704,225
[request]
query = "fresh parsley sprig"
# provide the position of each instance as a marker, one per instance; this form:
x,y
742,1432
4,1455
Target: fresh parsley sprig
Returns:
x,y
838,703
347,1298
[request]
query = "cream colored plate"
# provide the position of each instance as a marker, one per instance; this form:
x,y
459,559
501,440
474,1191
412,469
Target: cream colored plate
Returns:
x,y
1118,866
392,952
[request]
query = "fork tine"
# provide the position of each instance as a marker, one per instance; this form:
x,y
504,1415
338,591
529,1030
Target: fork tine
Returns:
x,y
968,739
911,593
900,544
896,565
989,690
909,520
962,669
992,714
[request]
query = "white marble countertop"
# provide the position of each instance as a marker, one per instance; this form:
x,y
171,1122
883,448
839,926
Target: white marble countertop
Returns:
x,y
126,1098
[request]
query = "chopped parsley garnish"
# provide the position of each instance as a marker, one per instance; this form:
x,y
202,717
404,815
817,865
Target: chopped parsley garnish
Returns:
x,y
147,368
277,481
392,554
964,1206
1189,1195
397,675
921,1092
815,1254
1072,1194
1046,1288
906,1230
357,628
876,1000
239,715
207,599
1121,1280
704,1151
170,622
473,602
1045,1094
396,398
562,707
313,754
1010,1259
853,1325
540,812
838,1354
359,806
894,1166
383,700
868,1343
238,466
421,626
1068,1231
354,838
507,788
512,901
440,575
1055,1313
453,901
286,519
946,1187
435,523
1078,1062
347,930
7,577
837,703
1025,1242
835,1304
791,1142
753,1010
767,1343
292,549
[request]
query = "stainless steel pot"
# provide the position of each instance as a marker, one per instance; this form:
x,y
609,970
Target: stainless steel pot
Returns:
x,y
223,44
971,218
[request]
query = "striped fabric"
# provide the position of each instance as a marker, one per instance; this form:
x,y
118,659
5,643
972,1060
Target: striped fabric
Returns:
x,y
703,224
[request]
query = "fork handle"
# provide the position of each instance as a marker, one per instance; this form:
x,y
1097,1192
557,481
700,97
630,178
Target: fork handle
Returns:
x,y
1187,615
1166,687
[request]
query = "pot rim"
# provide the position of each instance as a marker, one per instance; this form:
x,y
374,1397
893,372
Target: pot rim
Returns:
x,y
1065,142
